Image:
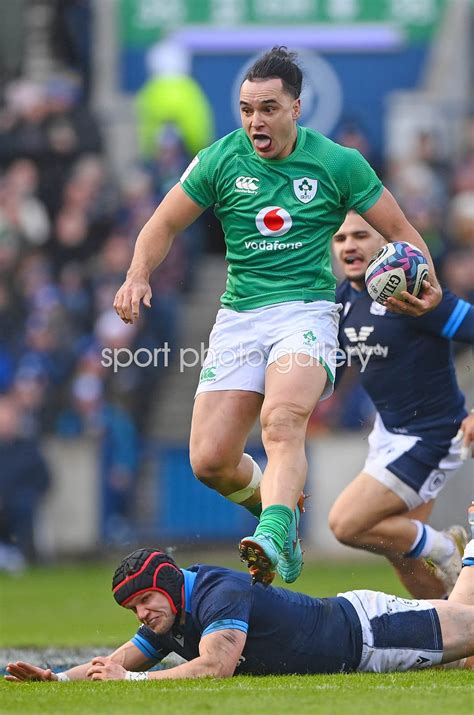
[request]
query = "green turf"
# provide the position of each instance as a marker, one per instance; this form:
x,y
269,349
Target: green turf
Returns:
x,y
73,606
67,606
422,693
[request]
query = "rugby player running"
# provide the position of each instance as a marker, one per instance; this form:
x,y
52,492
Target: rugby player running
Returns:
x,y
280,191
421,425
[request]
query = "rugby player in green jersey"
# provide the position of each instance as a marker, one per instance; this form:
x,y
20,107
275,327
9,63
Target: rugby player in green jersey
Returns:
x,y
280,191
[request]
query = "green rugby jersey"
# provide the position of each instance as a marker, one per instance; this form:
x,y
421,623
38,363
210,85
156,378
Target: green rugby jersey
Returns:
x,y
279,215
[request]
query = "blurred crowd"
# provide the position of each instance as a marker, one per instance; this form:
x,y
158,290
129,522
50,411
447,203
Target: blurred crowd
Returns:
x,y
67,229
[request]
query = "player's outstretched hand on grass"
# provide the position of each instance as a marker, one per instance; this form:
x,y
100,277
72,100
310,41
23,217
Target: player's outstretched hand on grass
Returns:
x,y
428,298
105,668
19,672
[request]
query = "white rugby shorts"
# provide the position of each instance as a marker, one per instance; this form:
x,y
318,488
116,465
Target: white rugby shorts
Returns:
x,y
397,633
242,344
413,467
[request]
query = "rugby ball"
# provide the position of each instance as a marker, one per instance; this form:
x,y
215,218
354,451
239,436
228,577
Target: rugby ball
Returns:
x,y
396,267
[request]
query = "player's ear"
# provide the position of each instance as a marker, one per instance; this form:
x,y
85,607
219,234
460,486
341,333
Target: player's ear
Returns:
x,y
296,109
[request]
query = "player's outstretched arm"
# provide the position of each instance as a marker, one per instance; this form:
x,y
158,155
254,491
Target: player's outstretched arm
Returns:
x,y
175,213
20,672
127,656
388,219
219,654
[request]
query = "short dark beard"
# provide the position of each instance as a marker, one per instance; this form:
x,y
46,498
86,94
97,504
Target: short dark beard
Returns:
x,y
358,282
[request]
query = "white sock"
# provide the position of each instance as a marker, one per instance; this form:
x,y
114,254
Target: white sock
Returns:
x,y
419,534
437,545
469,550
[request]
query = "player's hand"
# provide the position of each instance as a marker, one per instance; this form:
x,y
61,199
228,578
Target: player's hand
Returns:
x,y
427,299
129,296
19,672
105,668
467,429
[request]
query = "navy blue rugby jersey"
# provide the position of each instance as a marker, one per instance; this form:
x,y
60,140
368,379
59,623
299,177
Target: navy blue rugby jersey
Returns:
x,y
287,632
406,363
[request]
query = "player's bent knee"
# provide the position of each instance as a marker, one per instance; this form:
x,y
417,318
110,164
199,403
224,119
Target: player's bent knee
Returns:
x,y
209,468
344,529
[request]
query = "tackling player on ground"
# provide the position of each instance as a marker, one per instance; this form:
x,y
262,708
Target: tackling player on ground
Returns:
x,y
416,442
280,191
223,626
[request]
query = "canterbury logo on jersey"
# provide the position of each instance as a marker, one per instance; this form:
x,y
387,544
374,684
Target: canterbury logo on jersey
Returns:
x,y
360,336
247,184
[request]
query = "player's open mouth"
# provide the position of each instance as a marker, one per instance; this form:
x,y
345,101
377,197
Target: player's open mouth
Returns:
x,y
353,261
262,142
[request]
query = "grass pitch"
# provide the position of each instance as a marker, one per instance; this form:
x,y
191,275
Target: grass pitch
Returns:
x,y
428,692
72,606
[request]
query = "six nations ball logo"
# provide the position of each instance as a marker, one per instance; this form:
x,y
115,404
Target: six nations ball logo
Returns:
x,y
273,221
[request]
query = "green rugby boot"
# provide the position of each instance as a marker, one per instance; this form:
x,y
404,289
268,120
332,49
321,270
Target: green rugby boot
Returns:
x,y
261,556
290,561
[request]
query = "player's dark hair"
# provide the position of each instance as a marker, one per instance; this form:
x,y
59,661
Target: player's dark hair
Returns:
x,y
281,64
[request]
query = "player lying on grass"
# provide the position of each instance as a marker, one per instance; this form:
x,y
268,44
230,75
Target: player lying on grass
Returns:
x,y
416,445
223,626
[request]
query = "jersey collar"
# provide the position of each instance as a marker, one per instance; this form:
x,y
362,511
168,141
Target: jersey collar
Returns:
x,y
189,579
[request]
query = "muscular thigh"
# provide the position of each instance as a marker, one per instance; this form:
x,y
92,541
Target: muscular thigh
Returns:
x,y
365,502
294,383
301,360
457,628
221,422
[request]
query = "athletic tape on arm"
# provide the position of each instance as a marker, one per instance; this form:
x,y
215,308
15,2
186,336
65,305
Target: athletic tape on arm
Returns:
x,y
142,675
63,677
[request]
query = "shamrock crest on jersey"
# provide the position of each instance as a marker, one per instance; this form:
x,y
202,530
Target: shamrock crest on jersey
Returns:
x,y
305,189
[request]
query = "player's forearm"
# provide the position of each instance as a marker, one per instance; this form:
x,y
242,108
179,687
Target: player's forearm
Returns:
x,y
152,246
127,656
78,672
197,668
